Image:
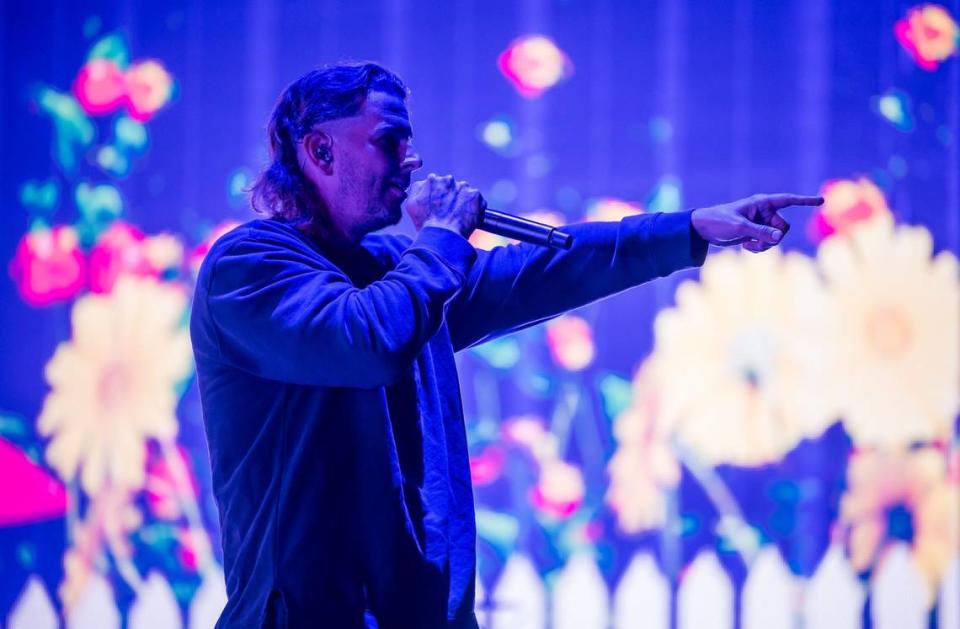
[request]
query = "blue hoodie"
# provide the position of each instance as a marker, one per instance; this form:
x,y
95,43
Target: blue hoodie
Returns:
x,y
332,406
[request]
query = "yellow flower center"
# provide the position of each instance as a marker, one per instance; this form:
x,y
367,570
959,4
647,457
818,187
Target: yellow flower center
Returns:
x,y
888,331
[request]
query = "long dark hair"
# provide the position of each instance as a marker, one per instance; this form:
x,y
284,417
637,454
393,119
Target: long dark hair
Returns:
x,y
327,93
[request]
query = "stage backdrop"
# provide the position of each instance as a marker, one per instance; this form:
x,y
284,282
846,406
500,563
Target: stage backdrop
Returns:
x,y
769,441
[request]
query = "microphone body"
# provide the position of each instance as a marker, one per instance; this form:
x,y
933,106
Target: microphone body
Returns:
x,y
524,230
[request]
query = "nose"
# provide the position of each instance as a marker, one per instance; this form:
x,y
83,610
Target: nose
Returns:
x,y
411,160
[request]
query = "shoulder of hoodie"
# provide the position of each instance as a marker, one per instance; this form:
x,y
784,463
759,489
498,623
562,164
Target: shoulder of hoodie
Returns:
x,y
386,247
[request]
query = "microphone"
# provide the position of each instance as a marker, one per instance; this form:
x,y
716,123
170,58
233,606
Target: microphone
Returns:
x,y
523,229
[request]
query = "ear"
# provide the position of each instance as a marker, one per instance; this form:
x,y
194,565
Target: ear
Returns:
x,y
313,148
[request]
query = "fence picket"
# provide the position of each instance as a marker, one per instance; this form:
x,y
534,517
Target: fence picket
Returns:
x,y
480,601
834,596
642,598
33,608
832,599
950,596
209,600
519,598
899,592
96,608
580,598
156,606
705,600
770,593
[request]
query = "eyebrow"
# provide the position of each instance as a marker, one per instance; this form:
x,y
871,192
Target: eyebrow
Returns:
x,y
395,124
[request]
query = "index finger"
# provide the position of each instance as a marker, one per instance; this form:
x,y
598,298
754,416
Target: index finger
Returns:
x,y
782,200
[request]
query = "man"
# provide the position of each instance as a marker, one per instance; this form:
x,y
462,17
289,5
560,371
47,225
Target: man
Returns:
x,y
325,356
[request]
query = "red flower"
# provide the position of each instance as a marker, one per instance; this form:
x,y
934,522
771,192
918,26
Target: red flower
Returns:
x,y
929,34
194,548
120,249
560,490
846,204
486,466
571,342
49,265
100,87
534,64
149,87
169,484
201,250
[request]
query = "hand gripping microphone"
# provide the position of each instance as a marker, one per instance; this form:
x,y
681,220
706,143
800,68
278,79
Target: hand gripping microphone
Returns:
x,y
523,229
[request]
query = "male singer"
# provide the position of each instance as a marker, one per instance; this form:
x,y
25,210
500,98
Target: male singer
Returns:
x,y
325,356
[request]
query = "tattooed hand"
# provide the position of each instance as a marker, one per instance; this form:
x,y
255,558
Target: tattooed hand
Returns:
x,y
442,202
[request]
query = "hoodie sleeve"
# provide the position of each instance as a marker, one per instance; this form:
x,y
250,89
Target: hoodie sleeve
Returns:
x,y
283,312
513,287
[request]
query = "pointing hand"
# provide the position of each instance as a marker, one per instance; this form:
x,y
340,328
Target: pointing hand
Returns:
x,y
754,222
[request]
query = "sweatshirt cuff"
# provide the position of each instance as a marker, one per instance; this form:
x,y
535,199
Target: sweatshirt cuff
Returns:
x,y
449,246
675,244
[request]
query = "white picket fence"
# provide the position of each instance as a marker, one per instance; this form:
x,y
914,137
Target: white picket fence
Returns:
x,y
772,598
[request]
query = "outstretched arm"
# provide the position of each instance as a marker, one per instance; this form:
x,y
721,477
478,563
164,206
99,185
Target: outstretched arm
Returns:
x,y
516,286
512,287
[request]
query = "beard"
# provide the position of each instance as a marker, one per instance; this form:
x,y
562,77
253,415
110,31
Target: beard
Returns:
x,y
383,208
370,200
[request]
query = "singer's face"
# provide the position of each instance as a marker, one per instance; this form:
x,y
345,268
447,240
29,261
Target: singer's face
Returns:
x,y
374,164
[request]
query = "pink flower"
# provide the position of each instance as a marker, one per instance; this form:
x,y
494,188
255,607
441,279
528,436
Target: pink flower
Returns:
x,y
200,251
530,433
109,520
194,547
49,265
100,87
534,64
165,489
929,34
571,342
560,489
164,252
846,204
149,87
643,469
120,250
918,481
487,466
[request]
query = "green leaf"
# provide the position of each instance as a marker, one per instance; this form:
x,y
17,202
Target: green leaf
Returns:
x,y
502,353
113,48
616,393
130,134
160,536
113,161
74,132
98,206
498,529
27,555
41,195
13,426
667,196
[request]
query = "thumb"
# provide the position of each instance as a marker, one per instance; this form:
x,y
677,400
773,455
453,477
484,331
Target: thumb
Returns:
x,y
764,233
